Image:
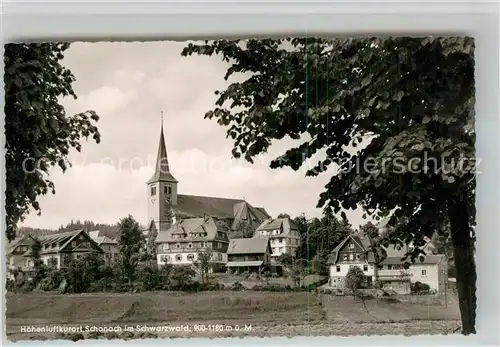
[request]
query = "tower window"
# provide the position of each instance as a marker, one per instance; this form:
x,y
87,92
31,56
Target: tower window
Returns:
x,y
167,190
153,191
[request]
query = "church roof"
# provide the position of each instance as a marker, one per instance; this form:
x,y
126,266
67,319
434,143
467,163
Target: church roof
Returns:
x,y
162,169
189,206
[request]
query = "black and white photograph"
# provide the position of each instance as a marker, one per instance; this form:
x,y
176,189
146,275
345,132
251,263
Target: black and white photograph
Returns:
x,y
232,188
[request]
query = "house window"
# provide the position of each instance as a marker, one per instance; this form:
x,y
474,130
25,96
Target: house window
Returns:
x,y
165,246
389,267
190,257
219,244
365,267
153,191
190,245
167,190
178,257
73,244
338,268
351,245
178,245
219,256
351,256
165,258
345,257
424,272
358,256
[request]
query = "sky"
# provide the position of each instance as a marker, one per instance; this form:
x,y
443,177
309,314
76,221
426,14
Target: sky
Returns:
x,y
129,85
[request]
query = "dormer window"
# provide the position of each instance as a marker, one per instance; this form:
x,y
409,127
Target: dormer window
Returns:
x,y
351,245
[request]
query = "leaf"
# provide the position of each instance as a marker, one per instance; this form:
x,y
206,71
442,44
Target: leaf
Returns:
x,y
426,120
398,96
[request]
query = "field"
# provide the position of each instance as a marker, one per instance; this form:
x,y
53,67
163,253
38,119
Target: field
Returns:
x,y
225,314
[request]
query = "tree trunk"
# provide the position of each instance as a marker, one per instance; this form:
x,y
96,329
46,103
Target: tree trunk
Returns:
x,y
464,264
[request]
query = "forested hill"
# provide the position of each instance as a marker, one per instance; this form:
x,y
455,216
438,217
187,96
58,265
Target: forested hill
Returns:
x,y
105,229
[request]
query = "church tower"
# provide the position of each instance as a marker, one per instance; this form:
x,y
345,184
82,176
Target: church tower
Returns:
x,y
162,189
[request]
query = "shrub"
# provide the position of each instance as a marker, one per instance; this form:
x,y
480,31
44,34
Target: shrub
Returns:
x,y
354,279
182,277
419,288
237,286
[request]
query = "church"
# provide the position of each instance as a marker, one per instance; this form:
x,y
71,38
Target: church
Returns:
x,y
185,224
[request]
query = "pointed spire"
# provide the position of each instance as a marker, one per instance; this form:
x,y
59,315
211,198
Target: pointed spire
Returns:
x,y
162,169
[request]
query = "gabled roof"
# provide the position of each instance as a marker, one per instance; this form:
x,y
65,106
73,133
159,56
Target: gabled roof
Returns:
x,y
392,251
286,225
191,206
93,233
428,259
363,242
104,240
20,241
248,246
57,242
192,229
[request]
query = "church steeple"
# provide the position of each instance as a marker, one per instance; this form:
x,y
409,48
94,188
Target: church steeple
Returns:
x,y
162,169
162,189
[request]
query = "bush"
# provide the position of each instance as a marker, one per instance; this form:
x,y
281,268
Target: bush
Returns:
x,y
237,286
419,288
354,279
214,286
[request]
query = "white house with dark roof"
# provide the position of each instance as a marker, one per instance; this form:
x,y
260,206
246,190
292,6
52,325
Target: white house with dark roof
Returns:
x,y
356,250
164,199
252,255
283,235
59,249
180,244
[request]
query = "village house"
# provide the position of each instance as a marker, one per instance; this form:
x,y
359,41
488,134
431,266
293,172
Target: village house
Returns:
x,y
283,235
431,270
109,246
355,250
181,243
56,249
166,206
248,255
15,253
